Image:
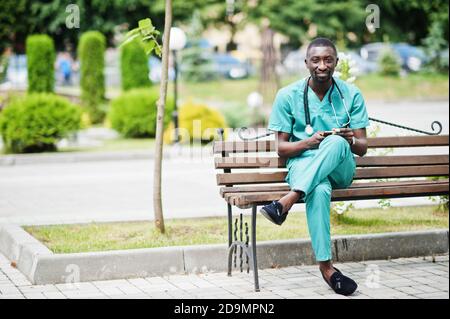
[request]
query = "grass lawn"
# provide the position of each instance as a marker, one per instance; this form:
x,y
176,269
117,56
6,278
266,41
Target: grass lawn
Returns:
x,y
413,86
129,235
119,144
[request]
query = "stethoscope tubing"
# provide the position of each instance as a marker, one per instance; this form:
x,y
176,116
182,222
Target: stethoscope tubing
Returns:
x,y
308,128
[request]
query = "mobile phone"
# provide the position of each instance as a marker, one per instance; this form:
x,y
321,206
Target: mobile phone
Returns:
x,y
326,133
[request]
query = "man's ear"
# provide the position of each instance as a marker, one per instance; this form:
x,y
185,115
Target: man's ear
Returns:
x,y
337,61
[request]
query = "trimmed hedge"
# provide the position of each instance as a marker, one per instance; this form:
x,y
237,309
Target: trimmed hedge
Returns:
x,y
134,66
40,51
36,122
133,114
91,51
197,122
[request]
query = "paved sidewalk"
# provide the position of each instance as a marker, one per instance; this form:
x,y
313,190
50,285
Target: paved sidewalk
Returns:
x,y
424,278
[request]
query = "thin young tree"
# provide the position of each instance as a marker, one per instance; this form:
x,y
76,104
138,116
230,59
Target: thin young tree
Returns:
x,y
147,33
157,198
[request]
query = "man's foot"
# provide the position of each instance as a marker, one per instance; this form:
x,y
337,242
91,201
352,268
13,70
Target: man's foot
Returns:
x,y
274,213
341,284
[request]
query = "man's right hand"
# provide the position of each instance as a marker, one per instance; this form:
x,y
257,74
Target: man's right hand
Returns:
x,y
315,140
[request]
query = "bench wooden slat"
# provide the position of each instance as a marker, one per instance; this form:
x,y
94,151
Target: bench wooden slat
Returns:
x,y
249,162
401,171
367,161
243,200
408,141
361,173
286,188
244,147
402,160
377,142
391,192
250,178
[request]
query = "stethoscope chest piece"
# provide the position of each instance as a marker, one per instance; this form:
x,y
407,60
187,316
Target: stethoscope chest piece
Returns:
x,y
309,129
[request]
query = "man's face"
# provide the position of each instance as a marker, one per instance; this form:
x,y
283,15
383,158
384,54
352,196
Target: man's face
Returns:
x,y
321,62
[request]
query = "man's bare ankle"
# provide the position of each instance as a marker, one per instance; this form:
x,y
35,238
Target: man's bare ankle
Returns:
x,y
327,269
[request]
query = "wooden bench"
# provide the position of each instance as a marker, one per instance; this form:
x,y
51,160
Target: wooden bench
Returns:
x,y
254,175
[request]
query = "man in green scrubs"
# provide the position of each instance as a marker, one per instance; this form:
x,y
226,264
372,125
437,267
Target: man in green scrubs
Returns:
x,y
320,155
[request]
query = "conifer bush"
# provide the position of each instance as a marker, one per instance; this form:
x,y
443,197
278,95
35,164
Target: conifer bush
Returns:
x,y
40,51
91,51
134,66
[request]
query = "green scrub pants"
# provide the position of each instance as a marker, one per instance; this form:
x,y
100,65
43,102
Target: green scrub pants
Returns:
x,y
316,173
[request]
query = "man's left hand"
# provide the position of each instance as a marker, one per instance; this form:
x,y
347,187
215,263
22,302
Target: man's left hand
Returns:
x,y
346,133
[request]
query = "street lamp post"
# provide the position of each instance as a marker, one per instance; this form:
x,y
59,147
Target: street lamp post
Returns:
x,y
255,102
177,42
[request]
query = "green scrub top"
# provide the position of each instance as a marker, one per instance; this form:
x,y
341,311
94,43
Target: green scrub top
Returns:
x,y
288,113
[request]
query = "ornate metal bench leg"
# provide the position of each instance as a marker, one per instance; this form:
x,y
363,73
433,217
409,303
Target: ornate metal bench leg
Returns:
x,y
255,262
230,235
230,225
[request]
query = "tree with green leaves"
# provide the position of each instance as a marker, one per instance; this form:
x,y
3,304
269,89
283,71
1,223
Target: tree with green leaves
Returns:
x,y
435,43
302,20
20,18
408,20
402,20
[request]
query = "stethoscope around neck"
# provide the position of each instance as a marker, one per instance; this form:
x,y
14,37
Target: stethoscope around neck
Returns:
x,y
309,129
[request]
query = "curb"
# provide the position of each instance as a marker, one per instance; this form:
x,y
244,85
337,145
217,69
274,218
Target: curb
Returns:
x,y
23,159
76,157
41,266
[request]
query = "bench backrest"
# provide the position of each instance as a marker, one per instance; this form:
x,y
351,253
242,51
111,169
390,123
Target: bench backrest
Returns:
x,y
256,162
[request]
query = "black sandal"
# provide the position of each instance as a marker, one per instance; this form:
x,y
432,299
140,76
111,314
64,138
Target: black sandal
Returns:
x,y
341,284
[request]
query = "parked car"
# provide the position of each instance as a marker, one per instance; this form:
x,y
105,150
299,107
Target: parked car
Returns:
x,y
410,57
202,43
230,67
294,63
413,58
363,66
155,67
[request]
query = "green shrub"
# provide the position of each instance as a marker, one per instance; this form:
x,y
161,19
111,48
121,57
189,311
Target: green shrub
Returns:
x,y
237,116
36,122
134,66
389,63
40,51
197,122
91,52
133,114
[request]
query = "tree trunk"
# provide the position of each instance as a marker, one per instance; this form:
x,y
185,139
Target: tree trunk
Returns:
x,y
157,200
269,81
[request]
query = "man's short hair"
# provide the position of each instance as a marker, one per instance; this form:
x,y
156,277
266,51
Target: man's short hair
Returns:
x,y
321,42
